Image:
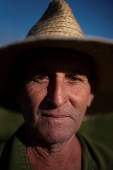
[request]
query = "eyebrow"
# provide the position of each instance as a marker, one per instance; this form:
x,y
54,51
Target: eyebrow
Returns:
x,y
68,71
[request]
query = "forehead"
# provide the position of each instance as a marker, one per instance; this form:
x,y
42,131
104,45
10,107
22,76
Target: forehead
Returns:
x,y
60,60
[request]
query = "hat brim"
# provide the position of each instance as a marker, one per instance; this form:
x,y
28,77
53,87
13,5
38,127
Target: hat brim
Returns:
x,y
101,50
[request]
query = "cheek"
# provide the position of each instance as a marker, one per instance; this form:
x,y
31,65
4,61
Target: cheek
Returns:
x,y
33,96
79,96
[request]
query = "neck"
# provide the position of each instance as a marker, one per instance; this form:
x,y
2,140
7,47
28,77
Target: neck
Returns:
x,y
62,156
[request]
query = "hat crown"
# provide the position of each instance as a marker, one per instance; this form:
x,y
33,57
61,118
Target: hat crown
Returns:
x,y
58,20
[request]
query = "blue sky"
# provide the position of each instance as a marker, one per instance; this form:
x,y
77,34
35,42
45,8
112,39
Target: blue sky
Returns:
x,y
17,17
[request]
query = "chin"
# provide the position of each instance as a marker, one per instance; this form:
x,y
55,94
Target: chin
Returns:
x,y
53,135
51,131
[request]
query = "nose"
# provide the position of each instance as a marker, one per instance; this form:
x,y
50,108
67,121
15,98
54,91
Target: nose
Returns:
x,y
57,93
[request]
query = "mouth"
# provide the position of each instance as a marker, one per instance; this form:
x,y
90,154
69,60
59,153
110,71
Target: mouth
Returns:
x,y
55,119
58,116
55,114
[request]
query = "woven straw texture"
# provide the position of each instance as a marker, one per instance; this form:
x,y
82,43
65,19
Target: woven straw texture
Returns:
x,y
57,20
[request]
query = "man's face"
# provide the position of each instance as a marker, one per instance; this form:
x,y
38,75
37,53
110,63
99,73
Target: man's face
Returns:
x,y
55,96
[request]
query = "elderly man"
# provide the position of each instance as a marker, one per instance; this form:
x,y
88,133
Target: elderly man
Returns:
x,y
52,78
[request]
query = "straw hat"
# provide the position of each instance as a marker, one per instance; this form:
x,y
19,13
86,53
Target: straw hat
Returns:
x,y
58,28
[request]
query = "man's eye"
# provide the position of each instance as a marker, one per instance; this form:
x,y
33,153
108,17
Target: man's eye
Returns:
x,y
41,79
73,79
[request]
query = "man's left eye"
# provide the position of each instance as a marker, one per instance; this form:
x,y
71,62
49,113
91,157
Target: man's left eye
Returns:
x,y
73,79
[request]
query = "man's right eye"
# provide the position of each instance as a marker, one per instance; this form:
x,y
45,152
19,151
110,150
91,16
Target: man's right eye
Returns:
x,y
41,79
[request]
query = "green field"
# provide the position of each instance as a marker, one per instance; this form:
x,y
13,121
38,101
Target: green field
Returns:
x,y
100,129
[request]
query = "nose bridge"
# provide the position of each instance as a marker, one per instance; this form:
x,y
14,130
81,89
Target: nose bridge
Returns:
x,y
58,93
59,90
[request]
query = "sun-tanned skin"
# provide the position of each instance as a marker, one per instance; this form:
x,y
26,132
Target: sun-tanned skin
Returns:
x,y
54,99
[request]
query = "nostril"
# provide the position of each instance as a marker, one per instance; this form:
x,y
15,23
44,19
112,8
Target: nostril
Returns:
x,y
57,99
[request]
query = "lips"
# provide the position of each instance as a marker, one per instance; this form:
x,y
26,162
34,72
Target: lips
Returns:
x,y
54,119
56,115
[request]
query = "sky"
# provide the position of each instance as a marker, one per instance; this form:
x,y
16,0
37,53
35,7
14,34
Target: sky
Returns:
x,y
17,17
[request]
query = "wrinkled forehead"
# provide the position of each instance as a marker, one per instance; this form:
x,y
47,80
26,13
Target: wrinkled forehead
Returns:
x,y
59,60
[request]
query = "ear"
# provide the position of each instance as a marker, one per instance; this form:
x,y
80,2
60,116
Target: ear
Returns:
x,y
90,99
94,86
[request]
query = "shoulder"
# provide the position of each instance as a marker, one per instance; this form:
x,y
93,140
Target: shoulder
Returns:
x,y
17,138
99,155
12,146
13,152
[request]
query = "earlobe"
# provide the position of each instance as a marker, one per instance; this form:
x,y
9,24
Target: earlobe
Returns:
x,y
90,99
94,86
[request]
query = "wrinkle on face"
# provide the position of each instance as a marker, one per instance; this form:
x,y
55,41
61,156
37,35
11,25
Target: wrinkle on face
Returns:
x,y
59,94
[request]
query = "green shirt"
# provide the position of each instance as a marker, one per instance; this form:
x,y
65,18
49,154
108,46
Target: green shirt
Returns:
x,y
13,154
